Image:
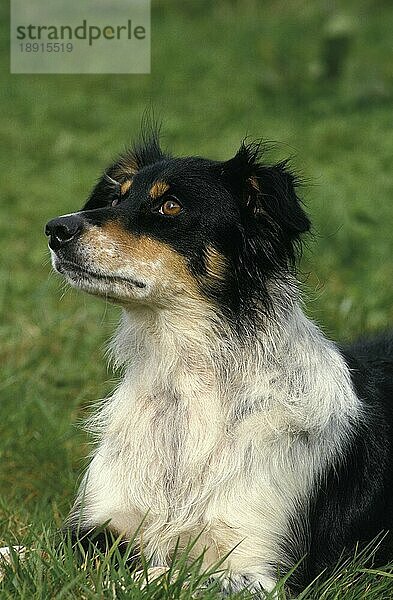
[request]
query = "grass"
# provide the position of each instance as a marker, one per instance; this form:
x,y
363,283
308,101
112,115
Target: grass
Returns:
x,y
219,71
50,571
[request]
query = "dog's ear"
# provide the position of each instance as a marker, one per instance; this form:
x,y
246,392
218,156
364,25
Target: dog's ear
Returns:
x,y
267,191
145,151
267,196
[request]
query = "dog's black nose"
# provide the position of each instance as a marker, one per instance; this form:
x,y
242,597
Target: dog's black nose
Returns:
x,y
62,230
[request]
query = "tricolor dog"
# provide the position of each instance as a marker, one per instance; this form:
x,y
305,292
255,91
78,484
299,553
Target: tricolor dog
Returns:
x,y
237,421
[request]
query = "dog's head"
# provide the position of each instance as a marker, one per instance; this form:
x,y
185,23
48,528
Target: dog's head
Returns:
x,y
156,228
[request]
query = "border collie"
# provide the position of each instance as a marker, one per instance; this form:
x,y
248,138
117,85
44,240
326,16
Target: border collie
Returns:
x,y
237,422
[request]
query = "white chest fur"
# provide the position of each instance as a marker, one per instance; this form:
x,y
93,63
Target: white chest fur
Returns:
x,y
217,440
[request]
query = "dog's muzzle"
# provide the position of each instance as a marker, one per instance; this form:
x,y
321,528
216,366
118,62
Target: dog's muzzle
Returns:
x,y
63,230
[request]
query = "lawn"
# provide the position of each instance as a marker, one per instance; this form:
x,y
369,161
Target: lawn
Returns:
x,y
220,71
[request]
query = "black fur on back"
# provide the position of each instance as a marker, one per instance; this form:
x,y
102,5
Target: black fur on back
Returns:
x,y
353,503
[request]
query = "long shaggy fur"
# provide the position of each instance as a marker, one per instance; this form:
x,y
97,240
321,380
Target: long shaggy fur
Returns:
x,y
236,420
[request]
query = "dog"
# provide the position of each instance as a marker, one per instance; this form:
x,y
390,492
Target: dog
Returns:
x,y
237,423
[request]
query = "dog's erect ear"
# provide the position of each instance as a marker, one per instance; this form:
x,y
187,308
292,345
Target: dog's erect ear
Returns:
x,y
267,194
242,166
145,151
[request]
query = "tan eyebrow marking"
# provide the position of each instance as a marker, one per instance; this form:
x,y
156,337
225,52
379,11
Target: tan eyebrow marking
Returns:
x,y
127,167
158,189
125,186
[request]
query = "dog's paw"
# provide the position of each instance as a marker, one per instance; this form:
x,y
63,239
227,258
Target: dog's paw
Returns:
x,y
6,556
152,574
260,586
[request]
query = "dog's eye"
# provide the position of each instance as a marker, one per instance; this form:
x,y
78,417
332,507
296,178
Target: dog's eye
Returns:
x,y
116,200
171,207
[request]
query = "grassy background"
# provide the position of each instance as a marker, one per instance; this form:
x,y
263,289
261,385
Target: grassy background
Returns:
x,y
273,69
